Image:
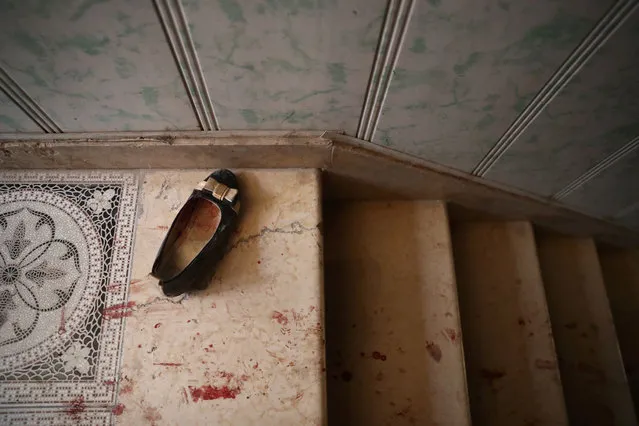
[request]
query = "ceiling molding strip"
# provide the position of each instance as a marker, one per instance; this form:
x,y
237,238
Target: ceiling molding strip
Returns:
x,y
598,168
178,34
605,28
394,28
27,104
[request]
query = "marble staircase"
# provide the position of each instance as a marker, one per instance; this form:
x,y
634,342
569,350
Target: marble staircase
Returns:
x,y
378,313
474,321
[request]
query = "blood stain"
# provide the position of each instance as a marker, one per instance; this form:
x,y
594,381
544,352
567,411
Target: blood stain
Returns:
x,y
76,406
259,262
280,318
545,364
256,365
109,382
157,325
208,392
118,409
378,355
120,310
434,351
452,334
168,364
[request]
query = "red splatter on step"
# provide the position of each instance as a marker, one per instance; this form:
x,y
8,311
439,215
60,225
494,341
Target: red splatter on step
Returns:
x,y
109,382
545,364
76,406
452,335
162,227
208,392
213,305
280,318
256,365
157,325
120,310
168,364
118,409
434,351
379,356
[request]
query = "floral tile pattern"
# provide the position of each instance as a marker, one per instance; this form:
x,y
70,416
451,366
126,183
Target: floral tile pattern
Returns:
x,y
65,247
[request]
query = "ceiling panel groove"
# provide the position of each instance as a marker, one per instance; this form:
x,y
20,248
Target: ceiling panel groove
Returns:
x,y
396,22
181,43
598,169
605,28
26,103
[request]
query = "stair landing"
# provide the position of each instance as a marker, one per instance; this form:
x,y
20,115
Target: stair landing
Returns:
x,y
250,348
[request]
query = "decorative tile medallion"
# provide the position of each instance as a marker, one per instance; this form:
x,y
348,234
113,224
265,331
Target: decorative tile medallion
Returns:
x,y
65,246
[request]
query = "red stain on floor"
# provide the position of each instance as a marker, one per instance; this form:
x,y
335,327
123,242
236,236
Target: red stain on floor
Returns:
x,y
120,310
127,386
168,364
157,325
280,317
208,392
162,227
434,351
118,409
109,382
76,406
133,282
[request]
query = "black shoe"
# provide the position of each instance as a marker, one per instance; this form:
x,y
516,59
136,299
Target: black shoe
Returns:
x,y
198,236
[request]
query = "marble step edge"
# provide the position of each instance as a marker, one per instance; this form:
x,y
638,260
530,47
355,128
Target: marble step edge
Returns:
x,y
355,169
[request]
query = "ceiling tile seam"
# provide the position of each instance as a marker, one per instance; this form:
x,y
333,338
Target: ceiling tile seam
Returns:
x,y
174,35
388,72
198,66
27,104
596,38
391,39
179,61
374,77
597,169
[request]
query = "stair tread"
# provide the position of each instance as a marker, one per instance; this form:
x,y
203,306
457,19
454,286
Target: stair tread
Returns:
x,y
512,368
394,351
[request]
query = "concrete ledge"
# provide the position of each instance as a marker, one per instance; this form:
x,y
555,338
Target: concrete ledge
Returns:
x,y
354,170
175,150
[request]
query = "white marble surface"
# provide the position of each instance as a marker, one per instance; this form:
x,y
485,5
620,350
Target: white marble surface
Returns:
x,y
250,348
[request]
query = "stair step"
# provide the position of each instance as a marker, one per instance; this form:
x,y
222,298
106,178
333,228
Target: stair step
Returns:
x,y
621,275
510,357
595,384
394,349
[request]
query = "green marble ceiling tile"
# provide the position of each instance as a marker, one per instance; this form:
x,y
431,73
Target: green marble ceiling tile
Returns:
x,y
595,114
13,119
95,65
610,192
294,64
468,68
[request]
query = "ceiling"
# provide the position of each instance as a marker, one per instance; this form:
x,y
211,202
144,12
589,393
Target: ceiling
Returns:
x,y
542,96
